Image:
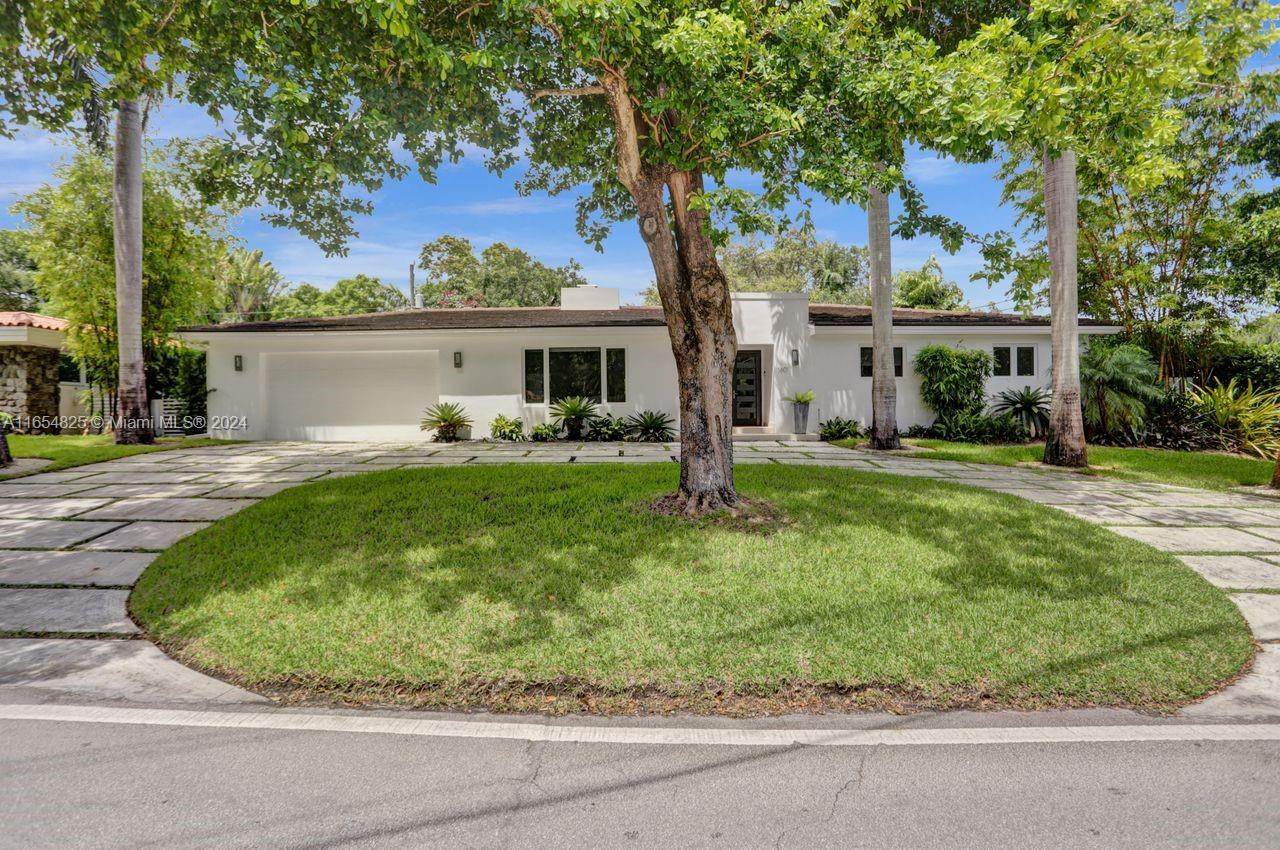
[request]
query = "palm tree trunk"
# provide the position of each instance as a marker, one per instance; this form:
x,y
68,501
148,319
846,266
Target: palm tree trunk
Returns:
x,y
133,423
884,389
6,458
1064,444
1275,475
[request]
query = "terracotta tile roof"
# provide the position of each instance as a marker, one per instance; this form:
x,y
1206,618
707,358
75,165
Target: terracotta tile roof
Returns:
x,y
23,319
823,315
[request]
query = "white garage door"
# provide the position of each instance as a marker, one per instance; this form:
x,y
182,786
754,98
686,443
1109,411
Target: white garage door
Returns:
x,y
361,395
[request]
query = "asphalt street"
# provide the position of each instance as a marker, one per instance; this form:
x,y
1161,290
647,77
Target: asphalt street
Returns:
x,y
77,784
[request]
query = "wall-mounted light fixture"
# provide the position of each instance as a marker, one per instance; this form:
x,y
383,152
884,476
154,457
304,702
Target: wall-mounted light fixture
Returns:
x,y
795,357
239,363
457,359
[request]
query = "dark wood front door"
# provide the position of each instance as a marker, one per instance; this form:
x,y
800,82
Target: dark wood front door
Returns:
x,y
746,388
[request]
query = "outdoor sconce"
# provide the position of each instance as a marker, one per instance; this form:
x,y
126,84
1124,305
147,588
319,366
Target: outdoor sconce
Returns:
x,y
795,357
239,363
457,359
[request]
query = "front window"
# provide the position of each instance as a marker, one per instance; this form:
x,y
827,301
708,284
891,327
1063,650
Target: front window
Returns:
x,y
534,376
1026,360
574,372
866,356
615,368
1002,355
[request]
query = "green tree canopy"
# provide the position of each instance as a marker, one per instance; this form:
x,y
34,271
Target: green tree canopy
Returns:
x,y
348,297
250,286
502,276
17,273
927,289
69,224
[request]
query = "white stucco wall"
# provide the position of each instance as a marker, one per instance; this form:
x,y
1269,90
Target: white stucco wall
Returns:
x,y
408,370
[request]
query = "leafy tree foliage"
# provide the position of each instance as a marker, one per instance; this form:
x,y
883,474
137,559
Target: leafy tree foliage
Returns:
x,y
70,241
927,289
17,273
502,276
348,297
250,286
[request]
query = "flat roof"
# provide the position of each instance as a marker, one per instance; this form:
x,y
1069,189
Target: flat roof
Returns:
x,y
822,315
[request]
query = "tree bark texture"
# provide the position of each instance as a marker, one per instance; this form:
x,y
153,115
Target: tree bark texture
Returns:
x,y
133,416
1064,443
697,308
884,388
6,458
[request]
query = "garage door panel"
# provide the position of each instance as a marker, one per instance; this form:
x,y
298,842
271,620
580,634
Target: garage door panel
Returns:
x,y
349,395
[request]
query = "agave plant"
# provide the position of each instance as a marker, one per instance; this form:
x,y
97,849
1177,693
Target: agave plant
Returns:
x,y
446,419
1116,383
573,414
1247,419
1029,405
651,426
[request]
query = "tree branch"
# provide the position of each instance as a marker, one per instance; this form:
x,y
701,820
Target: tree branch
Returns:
x,y
576,91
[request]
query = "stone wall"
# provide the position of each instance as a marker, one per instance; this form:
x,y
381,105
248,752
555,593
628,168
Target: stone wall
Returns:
x,y
29,383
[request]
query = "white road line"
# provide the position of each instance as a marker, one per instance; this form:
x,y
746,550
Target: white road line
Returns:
x,y
563,733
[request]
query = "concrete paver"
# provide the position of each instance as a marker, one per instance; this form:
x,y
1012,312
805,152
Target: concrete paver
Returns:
x,y
49,533
46,609
197,509
82,568
145,535
1242,571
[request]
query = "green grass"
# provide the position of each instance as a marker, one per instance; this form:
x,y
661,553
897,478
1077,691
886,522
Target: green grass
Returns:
x,y
1205,470
506,586
68,451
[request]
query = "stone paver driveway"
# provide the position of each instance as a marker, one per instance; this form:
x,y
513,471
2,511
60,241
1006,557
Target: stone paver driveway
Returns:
x,y
72,543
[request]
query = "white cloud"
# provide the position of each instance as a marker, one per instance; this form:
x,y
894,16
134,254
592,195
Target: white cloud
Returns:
x,y
516,205
930,169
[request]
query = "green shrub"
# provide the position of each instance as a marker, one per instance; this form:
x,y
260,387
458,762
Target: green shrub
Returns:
x,y
507,428
1175,421
969,427
1029,405
953,380
544,432
1246,419
6,423
1116,384
651,426
607,429
573,414
1247,363
839,428
446,419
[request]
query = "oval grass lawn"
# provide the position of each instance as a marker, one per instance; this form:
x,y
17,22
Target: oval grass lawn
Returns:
x,y
553,587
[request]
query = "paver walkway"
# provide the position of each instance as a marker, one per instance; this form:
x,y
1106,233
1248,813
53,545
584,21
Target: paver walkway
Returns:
x,y
72,543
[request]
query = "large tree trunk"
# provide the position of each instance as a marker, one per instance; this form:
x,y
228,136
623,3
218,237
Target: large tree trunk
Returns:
x,y
1064,444
133,421
698,312
884,388
6,458
1275,474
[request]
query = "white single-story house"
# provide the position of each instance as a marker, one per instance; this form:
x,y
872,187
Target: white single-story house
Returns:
x,y
370,377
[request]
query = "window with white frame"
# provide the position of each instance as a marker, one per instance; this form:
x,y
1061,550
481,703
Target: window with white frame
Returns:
x,y
1005,358
552,374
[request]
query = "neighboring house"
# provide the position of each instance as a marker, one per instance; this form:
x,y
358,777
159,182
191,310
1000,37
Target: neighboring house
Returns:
x,y
371,376
30,385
